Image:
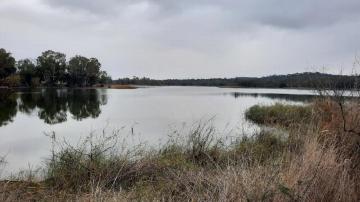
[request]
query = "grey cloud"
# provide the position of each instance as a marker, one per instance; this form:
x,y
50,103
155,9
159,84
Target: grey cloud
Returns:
x,y
86,5
186,38
280,13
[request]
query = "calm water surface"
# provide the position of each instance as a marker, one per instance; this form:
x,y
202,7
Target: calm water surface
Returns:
x,y
146,115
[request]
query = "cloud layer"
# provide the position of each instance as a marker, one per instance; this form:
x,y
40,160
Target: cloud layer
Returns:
x,y
182,39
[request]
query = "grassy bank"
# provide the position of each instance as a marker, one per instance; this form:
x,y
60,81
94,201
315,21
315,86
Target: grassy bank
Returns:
x,y
280,115
316,160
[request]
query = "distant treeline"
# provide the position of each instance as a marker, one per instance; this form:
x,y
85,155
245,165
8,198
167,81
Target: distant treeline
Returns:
x,y
298,80
50,69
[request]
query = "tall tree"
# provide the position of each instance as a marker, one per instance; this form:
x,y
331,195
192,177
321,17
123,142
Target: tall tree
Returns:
x,y
83,71
104,78
93,71
27,70
77,70
7,64
52,67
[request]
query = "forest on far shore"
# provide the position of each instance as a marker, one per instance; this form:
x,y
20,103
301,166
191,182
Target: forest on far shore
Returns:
x,y
297,80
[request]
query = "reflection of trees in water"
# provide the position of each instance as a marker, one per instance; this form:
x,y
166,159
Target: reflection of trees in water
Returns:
x,y
53,104
83,104
8,109
287,97
28,102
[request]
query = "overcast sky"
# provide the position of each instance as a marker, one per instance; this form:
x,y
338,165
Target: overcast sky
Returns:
x,y
188,38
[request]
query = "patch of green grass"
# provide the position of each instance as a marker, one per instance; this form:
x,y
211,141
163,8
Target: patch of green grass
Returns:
x,y
261,148
280,114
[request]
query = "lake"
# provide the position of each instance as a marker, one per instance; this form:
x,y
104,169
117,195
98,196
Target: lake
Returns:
x,y
145,115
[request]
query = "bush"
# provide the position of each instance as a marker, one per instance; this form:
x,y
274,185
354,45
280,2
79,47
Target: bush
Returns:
x,y
97,162
12,81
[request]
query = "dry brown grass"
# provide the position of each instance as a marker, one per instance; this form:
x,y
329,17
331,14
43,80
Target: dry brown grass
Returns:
x,y
121,86
318,175
115,86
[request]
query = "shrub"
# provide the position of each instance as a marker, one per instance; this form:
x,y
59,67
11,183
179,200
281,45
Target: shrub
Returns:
x,y
12,81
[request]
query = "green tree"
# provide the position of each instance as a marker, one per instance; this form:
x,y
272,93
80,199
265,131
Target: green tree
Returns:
x,y
104,78
27,71
52,67
93,71
77,70
83,71
7,64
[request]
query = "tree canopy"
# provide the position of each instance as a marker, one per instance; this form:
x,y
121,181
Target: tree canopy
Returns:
x,y
83,71
7,64
27,70
52,69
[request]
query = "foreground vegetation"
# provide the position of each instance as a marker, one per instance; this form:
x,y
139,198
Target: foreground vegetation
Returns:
x,y
315,159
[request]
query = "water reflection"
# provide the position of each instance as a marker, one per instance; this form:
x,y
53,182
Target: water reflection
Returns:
x,y
8,109
286,97
53,105
83,105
